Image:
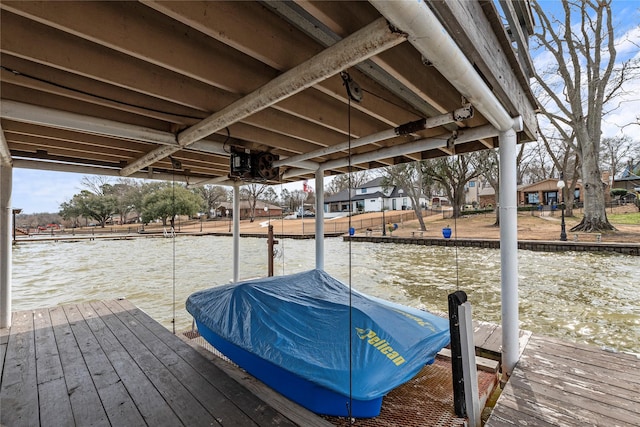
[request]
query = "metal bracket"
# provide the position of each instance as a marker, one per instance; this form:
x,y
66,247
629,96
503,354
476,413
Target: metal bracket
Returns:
x,y
464,113
451,141
175,163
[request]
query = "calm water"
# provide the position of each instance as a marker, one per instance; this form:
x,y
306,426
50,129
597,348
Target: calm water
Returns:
x,y
592,298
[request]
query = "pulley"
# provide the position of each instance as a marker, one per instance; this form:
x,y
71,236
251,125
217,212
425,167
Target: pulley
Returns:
x,y
353,89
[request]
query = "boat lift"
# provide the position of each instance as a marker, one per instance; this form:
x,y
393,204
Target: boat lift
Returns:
x,y
415,22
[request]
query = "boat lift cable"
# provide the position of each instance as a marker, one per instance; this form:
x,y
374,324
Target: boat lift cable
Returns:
x,y
455,247
173,243
353,90
282,223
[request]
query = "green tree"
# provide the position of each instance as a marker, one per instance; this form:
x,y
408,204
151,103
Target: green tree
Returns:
x,y
98,207
70,211
169,201
453,173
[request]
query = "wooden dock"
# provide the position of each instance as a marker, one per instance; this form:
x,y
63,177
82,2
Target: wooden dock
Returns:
x,y
557,383
108,363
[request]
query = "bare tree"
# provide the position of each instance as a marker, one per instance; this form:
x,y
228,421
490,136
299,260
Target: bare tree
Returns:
x,y
251,193
407,176
580,81
95,183
213,196
488,161
616,151
341,182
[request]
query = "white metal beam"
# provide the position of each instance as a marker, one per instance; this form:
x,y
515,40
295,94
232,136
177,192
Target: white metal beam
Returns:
x,y
5,154
33,114
433,41
369,41
466,135
92,170
460,114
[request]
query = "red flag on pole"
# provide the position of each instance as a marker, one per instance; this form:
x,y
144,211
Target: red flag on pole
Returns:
x,y
305,186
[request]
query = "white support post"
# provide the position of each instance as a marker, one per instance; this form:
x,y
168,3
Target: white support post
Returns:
x,y
469,369
236,232
320,220
6,178
509,251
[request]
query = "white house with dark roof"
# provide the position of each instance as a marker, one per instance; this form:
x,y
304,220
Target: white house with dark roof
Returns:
x,y
372,196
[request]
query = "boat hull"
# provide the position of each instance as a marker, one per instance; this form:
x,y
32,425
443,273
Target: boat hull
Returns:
x,y
306,393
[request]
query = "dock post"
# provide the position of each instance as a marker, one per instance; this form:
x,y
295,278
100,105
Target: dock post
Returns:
x,y
236,231
319,219
6,182
509,251
455,300
469,369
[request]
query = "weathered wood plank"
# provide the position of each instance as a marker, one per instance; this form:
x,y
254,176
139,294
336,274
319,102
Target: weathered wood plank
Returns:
x,y
18,386
481,332
85,402
589,351
563,383
55,406
582,389
252,405
573,400
516,411
187,408
229,379
149,401
209,397
589,376
494,341
116,401
615,363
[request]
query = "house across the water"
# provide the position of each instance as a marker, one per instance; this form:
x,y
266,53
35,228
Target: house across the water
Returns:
x,y
372,196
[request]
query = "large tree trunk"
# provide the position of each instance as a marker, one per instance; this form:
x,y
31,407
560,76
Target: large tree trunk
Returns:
x,y
595,214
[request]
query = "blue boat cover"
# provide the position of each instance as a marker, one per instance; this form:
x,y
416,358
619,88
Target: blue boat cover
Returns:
x,y
303,324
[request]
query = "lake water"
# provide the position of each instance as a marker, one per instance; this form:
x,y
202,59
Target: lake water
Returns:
x,y
586,297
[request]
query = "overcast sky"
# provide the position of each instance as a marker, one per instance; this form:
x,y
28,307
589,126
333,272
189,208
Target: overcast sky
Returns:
x,y
37,191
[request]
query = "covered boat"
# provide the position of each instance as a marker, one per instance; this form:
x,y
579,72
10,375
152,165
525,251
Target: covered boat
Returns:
x,y
333,350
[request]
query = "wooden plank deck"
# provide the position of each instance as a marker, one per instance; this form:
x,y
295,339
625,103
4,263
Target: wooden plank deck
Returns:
x,y
561,383
108,363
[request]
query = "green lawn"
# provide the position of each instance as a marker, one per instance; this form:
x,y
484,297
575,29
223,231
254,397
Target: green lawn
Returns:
x,y
626,218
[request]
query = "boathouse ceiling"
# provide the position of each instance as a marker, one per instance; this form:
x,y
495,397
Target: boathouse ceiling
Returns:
x,y
185,89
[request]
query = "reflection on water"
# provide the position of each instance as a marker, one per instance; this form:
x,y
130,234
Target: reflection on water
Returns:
x,y
584,297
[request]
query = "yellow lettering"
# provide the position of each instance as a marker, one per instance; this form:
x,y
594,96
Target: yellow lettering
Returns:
x,y
382,345
399,360
379,344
